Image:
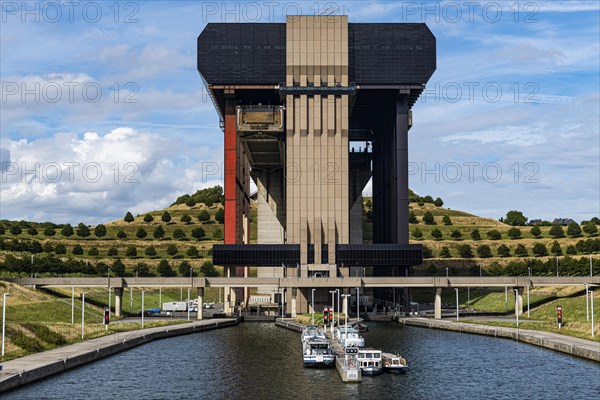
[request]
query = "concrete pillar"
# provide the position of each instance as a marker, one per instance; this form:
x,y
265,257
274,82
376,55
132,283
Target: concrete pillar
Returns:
x,y
438,304
345,303
227,292
519,300
246,289
294,294
118,302
200,302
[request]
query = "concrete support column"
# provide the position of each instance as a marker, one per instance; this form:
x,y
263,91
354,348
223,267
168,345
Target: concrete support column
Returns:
x,y
519,300
200,302
227,292
438,304
345,302
246,289
118,302
294,295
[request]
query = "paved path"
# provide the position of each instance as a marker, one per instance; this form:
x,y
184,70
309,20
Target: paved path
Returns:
x,y
27,369
567,344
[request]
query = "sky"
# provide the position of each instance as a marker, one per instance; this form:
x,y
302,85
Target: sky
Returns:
x,y
103,110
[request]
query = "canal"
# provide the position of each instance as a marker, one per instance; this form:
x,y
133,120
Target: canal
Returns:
x,y
261,361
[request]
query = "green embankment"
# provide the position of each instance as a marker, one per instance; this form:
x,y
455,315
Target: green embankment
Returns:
x,y
38,321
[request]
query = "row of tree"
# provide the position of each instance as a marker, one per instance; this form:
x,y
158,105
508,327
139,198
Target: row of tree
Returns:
x,y
556,231
35,247
56,266
538,249
204,217
569,266
100,232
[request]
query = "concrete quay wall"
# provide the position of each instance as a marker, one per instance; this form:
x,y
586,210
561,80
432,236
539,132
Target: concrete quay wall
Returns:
x,y
583,348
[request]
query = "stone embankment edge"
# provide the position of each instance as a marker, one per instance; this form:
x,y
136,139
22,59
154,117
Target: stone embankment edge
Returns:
x,y
521,335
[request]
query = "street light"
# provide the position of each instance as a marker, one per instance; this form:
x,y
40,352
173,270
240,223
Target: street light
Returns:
x,y
446,272
108,274
313,305
456,289
557,267
332,307
3,320
358,304
83,314
338,304
188,303
143,309
517,305
592,301
346,320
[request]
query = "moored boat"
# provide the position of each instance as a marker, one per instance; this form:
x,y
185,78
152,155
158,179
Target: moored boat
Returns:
x,y
370,361
317,353
361,326
349,337
393,363
312,332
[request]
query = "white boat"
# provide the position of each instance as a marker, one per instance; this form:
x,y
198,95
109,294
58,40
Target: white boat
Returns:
x,y
349,337
370,361
317,353
393,363
312,332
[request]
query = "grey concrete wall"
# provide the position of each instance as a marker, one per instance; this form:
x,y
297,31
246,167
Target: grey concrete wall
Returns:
x,y
564,344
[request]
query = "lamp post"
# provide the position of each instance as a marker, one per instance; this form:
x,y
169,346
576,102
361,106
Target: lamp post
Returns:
x,y
592,301
557,267
338,304
358,304
83,314
188,304
313,305
108,292
587,302
517,305
332,307
346,320
143,309
3,320
282,301
456,289
72,304
446,272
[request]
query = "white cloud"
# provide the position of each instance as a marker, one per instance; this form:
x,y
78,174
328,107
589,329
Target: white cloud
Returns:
x,y
509,135
94,177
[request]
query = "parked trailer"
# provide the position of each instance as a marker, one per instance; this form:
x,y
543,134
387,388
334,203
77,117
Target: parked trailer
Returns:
x,y
175,306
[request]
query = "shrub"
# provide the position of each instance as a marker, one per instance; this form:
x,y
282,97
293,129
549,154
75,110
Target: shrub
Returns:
x,y
494,234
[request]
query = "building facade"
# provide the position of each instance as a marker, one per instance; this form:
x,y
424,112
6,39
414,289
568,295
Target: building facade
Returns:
x,y
311,111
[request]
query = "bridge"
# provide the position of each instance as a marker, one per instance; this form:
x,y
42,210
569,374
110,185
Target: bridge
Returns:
x,y
438,283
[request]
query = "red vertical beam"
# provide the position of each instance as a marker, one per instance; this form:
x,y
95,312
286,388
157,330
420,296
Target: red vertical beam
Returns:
x,y
231,190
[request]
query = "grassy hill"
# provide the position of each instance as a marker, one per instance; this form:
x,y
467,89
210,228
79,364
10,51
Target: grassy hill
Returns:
x,y
93,255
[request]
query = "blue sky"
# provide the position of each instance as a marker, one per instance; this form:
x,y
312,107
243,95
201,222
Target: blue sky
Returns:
x,y
103,110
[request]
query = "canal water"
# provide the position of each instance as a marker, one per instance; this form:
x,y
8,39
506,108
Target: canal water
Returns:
x,y
261,361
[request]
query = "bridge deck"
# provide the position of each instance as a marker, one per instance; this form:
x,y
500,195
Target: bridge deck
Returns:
x,y
347,282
